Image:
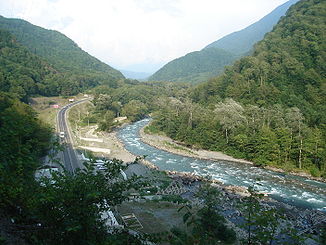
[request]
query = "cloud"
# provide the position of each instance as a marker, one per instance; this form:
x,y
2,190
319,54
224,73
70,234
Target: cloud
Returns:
x,y
128,32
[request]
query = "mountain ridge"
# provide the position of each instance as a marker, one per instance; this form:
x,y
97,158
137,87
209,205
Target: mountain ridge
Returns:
x,y
51,44
238,44
72,69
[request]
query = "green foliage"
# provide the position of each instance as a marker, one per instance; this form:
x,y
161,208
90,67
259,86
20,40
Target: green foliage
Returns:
x,y
71,205
275,136
206,224
64,209
200,65
286,66
36,61
195,67
267,107
56,49
133,99
24,139
135,110
265,225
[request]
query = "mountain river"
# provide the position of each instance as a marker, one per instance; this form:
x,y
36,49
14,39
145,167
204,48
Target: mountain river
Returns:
x,y
294,190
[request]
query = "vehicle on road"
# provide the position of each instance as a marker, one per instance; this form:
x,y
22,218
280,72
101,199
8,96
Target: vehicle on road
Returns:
x,y
62,134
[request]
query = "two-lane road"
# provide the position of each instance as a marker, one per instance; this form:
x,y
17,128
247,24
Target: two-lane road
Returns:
x,y
68,155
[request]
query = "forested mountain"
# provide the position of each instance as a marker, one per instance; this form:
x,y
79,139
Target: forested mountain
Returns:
x,y
195,66
287,67
55,48
200,65
241,42
39,61
268,107
22,73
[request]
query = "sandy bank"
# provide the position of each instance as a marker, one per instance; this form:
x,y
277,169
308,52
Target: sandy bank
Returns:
x,y
167,144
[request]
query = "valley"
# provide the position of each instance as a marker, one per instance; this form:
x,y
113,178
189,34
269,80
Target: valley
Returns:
x,y
226,145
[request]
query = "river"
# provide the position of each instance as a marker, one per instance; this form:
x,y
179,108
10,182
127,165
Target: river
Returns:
x,y
294,190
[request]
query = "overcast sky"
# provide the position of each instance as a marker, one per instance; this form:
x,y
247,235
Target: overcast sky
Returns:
x,y
140,35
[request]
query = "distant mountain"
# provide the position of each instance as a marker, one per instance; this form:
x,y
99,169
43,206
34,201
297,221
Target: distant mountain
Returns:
x,y
242,41
70,70
286,68
195,66
56,48
135,74
200,65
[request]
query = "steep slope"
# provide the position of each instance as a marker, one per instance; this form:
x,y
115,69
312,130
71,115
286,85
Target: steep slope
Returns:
x,y
199,66
287,67
21,72
242,41
56,48
268,107
195,66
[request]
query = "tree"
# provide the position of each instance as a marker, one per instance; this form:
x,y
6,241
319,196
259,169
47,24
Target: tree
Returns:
x,y
207,225
230,115
71,206
24,140
265,224
107,121
134,110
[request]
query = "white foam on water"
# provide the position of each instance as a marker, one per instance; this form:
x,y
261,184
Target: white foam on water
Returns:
x,y
323,209
170,161
314,200
275,191
306,195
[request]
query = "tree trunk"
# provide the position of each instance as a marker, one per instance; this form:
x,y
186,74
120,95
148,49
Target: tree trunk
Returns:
x,y
226,136
300,154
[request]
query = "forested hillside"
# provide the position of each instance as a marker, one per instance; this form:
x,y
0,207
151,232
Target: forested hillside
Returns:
x,y
56,48
201,65
242,41
22,73
39,61
195,66
268,107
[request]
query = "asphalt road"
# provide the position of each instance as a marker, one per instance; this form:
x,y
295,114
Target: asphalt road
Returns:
x,y
68,155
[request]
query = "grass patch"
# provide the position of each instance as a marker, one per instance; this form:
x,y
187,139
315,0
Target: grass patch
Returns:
x,y
45,107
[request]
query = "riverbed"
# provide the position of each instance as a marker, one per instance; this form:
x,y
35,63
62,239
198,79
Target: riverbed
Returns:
x,y
294,190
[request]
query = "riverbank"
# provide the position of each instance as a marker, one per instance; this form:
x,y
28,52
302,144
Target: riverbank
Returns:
x,y
305,220
167,144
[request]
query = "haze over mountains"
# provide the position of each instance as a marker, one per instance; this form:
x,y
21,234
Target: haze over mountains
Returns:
x,y
55,47
135,74
267,107
198,66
